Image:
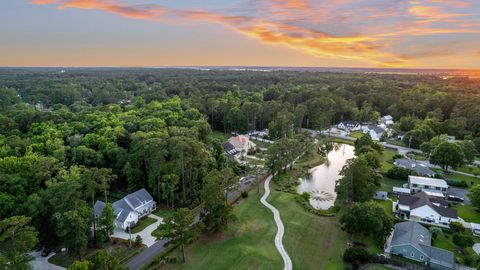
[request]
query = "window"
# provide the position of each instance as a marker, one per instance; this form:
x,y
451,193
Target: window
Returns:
x,y
422,257
414,185
412,254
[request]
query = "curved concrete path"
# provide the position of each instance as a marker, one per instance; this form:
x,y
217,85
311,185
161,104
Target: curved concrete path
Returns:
x,y
280,227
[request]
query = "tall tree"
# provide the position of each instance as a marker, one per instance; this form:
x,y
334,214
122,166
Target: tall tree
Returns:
x,y
217,212
447,154
16,238
180,228
357,183
106,221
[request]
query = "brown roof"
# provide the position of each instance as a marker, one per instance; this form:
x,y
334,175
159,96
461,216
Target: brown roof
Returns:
x,y
421,199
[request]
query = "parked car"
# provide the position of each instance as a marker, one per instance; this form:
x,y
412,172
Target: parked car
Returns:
x,y
46,251
455,198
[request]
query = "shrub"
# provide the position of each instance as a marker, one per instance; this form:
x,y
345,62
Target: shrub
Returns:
x,y
138,241
435,231
356,255
454,183
456,227
462,240
244,194
398,173
306,196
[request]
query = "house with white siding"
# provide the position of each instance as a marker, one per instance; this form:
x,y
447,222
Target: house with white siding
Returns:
x,y
130,209
426,209
431,186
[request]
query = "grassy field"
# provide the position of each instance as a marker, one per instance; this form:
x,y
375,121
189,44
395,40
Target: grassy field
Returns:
x,y
469,169
467,212
356,134
386,159
388,183
142,224
470,180
444,241
312,242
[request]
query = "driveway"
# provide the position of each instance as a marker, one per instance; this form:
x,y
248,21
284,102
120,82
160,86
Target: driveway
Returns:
x,y
41,263
146,234
460,192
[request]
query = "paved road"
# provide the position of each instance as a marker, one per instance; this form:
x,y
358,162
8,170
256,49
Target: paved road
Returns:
x,y
41,263
280,228
147,255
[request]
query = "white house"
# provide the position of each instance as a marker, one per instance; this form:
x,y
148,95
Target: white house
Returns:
x,y
349,125
431,186
424,208
386,121
375,132
239,145
130,208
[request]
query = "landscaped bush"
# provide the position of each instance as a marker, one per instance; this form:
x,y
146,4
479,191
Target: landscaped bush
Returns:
x,y
398,173
244,194
309,208
462,240
456,227
435,231
138,241
356,255
454,183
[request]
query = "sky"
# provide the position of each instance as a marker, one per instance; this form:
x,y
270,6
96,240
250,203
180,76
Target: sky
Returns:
x,y
323,33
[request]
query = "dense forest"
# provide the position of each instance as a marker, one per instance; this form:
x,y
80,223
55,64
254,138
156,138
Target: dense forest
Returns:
x,y
67,138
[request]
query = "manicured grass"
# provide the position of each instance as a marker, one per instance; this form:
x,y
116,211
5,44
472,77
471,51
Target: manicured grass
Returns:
x,y
372,246
253,161
387,205
142,224
445,241
62,259
311,241
163,212
471,181
469,169
467,212
388,183
386,159
356,134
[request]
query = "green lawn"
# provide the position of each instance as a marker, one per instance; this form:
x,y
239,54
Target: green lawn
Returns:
x,y
356,134
444,241
471,181
467,212
469,169
387,205
142,224
253,161
311,241
386,159
388,183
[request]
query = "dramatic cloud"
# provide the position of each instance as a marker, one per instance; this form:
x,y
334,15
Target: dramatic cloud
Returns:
x,y
372,31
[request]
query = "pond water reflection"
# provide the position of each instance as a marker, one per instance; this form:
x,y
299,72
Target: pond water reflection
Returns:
x,y
321,184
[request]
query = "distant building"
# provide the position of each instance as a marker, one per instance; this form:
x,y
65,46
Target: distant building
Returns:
x,y
386,121
431,186
414,242
349,125
239,146
424,208
419,168
130,208
375,132
381,195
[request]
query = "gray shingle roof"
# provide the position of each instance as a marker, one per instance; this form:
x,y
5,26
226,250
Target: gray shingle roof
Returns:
x,y
439,256
229,148
419,168
127,204
421,199
412,233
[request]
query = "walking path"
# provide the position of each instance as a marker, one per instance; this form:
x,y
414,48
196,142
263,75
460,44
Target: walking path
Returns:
x,y
280,227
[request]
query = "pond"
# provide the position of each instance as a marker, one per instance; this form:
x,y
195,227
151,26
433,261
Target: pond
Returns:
x,y
321,183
